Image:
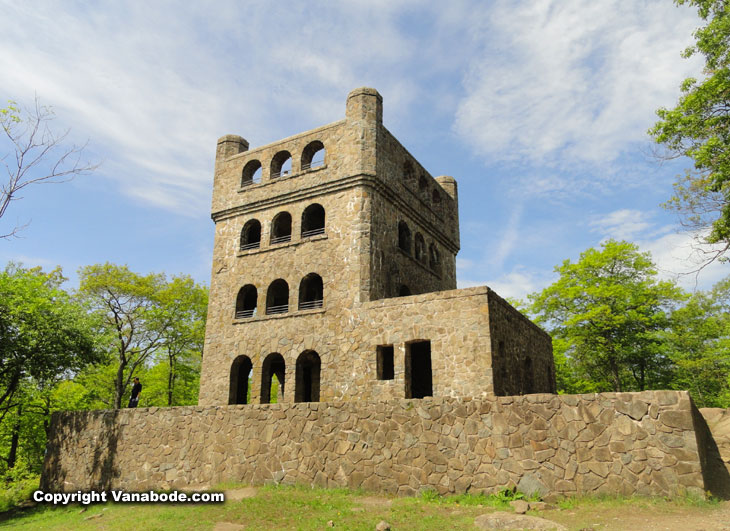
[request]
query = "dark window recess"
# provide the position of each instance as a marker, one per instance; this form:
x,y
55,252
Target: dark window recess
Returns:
x,y
251,235
281,228
385,368
404,237
246,302
240,373
419,382
529,377
313,220
307,377
311,292
277,297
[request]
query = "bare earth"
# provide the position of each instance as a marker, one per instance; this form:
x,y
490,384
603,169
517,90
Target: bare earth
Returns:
x,y
628,518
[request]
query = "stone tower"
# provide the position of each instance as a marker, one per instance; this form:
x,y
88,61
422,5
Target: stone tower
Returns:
x,y
334,272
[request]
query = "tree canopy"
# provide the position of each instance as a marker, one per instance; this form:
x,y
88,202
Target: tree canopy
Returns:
x,y
604,313
44,333
699,128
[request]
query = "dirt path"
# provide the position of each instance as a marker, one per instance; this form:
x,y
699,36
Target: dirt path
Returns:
x,y
650,518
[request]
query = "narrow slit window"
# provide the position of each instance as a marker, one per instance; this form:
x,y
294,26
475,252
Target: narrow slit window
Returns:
x,y
385,369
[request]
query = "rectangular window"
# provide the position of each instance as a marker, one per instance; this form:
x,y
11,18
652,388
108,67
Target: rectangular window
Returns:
x,y
385,362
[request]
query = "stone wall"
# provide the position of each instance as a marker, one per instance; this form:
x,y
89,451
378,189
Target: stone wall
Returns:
x,y
624,443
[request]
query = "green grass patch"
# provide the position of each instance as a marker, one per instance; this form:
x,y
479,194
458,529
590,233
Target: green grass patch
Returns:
x,y
300,507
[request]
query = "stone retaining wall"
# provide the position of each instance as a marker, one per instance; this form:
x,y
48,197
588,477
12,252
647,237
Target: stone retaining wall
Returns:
x,y
624,443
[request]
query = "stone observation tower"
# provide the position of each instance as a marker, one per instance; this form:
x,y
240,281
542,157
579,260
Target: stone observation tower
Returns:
x,y
334,272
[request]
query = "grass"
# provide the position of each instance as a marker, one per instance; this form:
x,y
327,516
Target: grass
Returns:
x,y
296,507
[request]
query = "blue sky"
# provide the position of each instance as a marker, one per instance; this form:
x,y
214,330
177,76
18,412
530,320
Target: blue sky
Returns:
x,y
538,108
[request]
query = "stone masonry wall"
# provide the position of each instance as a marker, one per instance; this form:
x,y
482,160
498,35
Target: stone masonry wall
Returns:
x,y
559,445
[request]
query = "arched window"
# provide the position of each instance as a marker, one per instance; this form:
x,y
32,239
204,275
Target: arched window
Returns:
x,y
408,172
420,248
277,297
251,235
311,292
306,387
273,366
436,197
313,220
281,228
240,374
404,237
246,302
251,173
313,155
404,291
422,183
281,164
434,258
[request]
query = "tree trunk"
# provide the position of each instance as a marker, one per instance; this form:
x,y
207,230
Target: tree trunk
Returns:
x,y
170,380
119,386
15,439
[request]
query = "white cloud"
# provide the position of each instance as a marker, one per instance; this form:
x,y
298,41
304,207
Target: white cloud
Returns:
x,y
679,257
624,224
569,82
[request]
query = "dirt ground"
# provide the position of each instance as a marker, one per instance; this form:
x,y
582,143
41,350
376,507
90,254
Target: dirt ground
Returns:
x,y
648,518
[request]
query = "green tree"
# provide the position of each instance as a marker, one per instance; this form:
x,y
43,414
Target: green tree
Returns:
x,y
43,331
183,307
45,335
699,128
699,346
143,319
605,312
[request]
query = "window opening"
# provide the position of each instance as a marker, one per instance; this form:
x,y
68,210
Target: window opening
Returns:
x,y
307,377
251,235
277,297
246,302
384,362
311,292
420,248
407,171
272,379
404,237
240,377
313,155
419,380
251,173
313,220
281,165
281,228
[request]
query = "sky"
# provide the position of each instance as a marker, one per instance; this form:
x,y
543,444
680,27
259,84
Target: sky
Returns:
x,y
539,109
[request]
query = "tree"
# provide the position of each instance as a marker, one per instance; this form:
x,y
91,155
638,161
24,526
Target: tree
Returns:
x,y
699,128
142,318
43,332
699,346
605,312
37,154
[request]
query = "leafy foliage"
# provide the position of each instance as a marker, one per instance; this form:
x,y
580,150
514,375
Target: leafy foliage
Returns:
x,y
605,312
699,128
145,319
